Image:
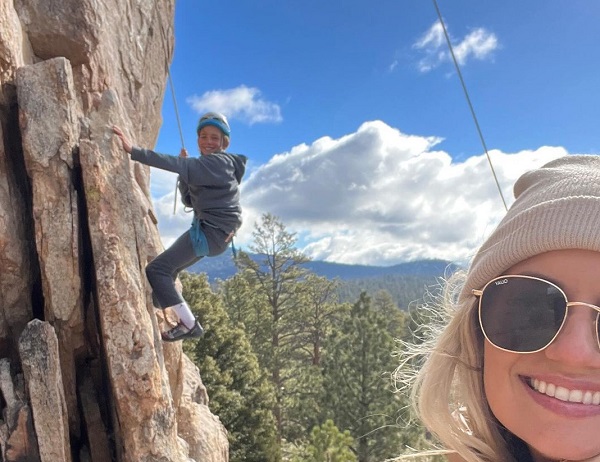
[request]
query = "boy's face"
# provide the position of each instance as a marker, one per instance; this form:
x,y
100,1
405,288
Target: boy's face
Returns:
x,y
210,140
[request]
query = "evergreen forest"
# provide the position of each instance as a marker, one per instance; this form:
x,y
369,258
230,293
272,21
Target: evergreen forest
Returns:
x,y
294,373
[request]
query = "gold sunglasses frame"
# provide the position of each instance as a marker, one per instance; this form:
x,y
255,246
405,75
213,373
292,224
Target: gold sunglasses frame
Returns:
x,y
479,292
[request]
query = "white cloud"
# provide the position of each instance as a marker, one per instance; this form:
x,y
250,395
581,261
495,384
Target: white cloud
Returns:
x,y
379,196
478,44
244,103
376,196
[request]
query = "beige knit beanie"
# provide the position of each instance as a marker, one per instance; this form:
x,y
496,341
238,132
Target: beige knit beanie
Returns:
x,y
556,207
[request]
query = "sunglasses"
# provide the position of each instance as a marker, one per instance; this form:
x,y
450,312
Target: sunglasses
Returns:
x,y
524,314
212,117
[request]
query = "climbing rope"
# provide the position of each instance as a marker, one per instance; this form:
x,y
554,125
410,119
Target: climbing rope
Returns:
x,y
172,87
462,82
180,132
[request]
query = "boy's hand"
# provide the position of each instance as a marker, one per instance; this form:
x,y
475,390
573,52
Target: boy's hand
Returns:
x,y
183,153
127,146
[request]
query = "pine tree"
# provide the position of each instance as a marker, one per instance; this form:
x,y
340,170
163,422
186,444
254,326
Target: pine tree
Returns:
x,y
288,315
317,315
240,392
328,444
275,275
396,318
359,393
248,308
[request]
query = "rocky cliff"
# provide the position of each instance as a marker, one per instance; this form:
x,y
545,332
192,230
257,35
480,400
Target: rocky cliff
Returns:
x,y
84,375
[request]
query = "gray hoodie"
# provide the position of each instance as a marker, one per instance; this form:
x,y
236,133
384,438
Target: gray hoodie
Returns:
x,y
209,184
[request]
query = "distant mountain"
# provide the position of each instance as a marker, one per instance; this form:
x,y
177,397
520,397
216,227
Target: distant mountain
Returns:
x,y
223,267
428,268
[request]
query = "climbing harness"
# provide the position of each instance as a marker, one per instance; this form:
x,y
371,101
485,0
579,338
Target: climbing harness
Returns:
x,y
462,82
228,238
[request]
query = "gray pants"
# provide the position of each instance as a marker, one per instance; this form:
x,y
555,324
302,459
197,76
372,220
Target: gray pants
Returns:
x,y
164,269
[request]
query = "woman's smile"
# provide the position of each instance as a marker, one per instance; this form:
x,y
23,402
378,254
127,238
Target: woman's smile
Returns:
x,y
565,394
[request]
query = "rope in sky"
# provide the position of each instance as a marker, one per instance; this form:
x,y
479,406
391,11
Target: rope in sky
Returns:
x,y
462,82
172,87
180,131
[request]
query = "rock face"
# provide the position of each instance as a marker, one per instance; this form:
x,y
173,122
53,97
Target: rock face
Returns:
x,y
84,375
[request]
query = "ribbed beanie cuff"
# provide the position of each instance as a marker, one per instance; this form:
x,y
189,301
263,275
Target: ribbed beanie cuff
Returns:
x,y
556,207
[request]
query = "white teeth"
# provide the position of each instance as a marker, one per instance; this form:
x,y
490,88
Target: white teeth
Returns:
x,y
564,394
575,396
539,386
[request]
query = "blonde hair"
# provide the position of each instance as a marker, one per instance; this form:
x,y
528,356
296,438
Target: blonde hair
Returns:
x,y
226,142
444,371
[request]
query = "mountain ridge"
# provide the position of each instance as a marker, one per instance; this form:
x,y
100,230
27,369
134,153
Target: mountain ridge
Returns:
x,y
223,267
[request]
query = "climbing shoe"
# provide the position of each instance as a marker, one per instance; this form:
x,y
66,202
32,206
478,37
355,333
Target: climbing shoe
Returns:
x,y
181,332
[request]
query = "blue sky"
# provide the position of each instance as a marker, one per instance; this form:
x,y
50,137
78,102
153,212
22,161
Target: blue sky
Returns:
x,y
357,129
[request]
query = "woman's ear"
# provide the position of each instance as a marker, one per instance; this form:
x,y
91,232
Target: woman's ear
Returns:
x,y
225,142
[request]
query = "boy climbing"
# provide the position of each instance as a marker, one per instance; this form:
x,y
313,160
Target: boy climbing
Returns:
x,y
210,186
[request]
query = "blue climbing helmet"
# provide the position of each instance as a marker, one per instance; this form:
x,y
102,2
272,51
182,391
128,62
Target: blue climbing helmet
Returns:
x,y
217,120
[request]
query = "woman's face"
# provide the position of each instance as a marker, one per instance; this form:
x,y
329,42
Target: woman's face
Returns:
x,y
210,140
554,429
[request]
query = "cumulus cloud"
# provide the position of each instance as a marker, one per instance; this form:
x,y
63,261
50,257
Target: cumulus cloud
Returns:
x,y
379,196
244,103
478,44
376,196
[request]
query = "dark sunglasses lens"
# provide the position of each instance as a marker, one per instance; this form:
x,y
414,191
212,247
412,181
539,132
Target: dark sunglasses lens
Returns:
x,y
521,314
211,118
